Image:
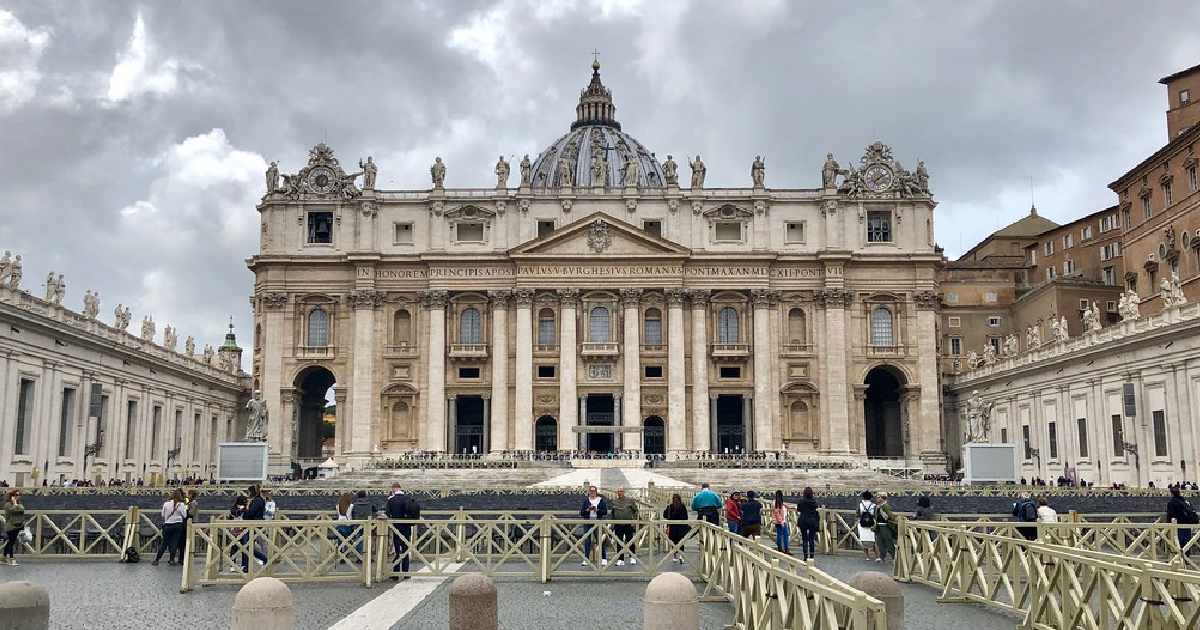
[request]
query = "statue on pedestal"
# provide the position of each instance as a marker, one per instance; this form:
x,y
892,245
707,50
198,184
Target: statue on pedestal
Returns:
x,y
91,304
502,174
829,172
1128,305
599,169
5,266
758,171
989,355
272,177
208,355
979,423
1035,335
922,177
438,173
170,339
52,287
698,172
189,346
526,170
1011,345
1055,330
1063,331
148,328
121,317
14,273
256,425
566,178
671,171
629,174
370,171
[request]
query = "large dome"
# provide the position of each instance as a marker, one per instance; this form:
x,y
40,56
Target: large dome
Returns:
x,y
596,132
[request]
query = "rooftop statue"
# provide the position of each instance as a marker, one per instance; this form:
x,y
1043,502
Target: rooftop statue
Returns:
x,y
369,171
671,170
272,177
758,171
189,346
698,172
526,170
502,174
629,175
438,173
829,172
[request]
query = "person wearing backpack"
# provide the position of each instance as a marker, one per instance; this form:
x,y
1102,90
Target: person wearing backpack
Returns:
x,y
866,525
1182,512
1025,510
174,511
14,523
401,506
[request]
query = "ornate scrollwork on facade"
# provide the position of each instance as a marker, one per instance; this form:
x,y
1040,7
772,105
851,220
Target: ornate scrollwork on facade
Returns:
x,y
435,299
631,297
368,210
273,300
840,298
523,297
881,176
927,300
598,238
366,298
322,178
830,207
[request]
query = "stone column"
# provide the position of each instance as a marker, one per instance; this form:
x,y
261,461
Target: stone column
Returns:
x,y
435,357
858,422
450,445
834,364
926,423
497,422
523,393
747,423
487,421
703,429
632,352
677,374
272,307
365,302
762,370
581,439
567,353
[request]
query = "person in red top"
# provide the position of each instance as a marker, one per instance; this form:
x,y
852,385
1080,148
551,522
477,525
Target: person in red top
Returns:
x,y
733,511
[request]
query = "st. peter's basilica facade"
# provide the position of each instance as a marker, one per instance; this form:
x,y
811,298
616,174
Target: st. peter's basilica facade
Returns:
x,y
599,305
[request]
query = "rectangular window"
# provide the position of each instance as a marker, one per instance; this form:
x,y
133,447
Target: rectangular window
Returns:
x,y
1192,182
1160,433
1081,429
1146,210
546,330
653,371
995,343
727,231
1106,223
24,417
66,419
196,438
320,228
1048,248
954,322
1085,233
1118,435
1185,96
177,434
1004,435
468,232
403,234
730,372
1110,306
653,227
1068,241
995,321
155,430
468,373
130,427
794,232
1068,267
1025,438
1052,430
545,371
544,227
1126,218
1109,276
653,331
956,346
1168,198
1051,273
879,226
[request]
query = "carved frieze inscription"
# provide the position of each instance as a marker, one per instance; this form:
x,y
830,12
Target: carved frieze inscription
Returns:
x,y
501,272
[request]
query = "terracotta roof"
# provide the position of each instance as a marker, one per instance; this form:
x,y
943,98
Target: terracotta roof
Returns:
x,y
1029,225
1182,73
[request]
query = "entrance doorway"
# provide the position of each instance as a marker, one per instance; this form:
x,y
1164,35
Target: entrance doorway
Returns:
x,y
600,414
654,436
731,432
545,435
881,413
313,385
468,425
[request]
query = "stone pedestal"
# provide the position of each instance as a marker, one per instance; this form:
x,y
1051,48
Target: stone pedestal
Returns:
x,y
882,587
264,603
671,604
473,603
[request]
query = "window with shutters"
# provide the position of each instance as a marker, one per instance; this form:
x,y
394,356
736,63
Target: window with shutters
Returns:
x,y
881,327
469,329
598,325
727,325
401,328
956,346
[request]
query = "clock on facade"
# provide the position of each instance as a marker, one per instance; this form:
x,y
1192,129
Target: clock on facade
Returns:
x,y
878,177
320,179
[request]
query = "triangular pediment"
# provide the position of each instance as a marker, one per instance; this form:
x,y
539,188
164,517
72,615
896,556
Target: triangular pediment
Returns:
x,y
599,234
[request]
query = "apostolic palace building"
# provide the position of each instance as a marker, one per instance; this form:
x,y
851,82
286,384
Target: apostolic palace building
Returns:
x,y
600,304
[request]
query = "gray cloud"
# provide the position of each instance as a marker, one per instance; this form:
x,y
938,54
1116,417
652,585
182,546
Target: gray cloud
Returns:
x,y
149,196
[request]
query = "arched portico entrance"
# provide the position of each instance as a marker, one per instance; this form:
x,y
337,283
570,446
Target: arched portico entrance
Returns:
x,y
312,391
882,415
654,436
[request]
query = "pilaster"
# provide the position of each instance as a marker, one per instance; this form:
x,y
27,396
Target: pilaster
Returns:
x,y
701,431
567,359
762,370
497,419
365,304
523,394
677,374
434,436
631,354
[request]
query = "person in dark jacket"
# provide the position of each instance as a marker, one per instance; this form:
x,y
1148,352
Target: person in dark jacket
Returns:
x,y
401,506
924,510
1025,510
624,509
751,526
808,518
676,511
1182,512
256,507
593,508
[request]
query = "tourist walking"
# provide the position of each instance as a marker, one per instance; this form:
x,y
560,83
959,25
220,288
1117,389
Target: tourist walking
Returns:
x,y
405,507
624,509
676,511
751,526
174,511
733,512
779,514
1182,513
885,529
866,524
14,525
808,518
1025,511
594,508
707,505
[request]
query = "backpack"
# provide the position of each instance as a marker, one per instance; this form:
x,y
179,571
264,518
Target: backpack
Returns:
x,y
1029,512
1190,516
131,555
866,518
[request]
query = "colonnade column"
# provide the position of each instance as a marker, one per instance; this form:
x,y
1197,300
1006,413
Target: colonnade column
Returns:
x,y
523,395
762,370
270,306
677,374
434,436
701,416
497,421
365,302
834,363
631,299
567,353
927,432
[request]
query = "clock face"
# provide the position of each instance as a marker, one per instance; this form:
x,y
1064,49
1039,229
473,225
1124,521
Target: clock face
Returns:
x,y
321,179
878,177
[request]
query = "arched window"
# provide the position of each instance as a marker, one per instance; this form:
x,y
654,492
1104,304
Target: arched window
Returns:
x,y
598,328
652,327
797,332
727,325
318,327
401,328
468,327
881,327
546,327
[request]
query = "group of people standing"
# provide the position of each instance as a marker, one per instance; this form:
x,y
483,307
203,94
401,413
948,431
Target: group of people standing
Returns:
x,y
744,516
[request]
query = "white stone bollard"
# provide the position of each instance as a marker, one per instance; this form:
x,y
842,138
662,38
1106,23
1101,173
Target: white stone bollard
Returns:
x,y
265,603
881,586
24,606
473,603
671,603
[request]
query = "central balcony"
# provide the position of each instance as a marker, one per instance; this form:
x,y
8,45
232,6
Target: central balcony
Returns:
x,y
599,349
725,351
468,351
315,352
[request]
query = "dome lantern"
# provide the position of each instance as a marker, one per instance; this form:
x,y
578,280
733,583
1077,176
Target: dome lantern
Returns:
x,y
595,104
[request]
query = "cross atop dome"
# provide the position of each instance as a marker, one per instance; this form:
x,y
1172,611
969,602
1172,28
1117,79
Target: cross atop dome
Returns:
x,y
595,102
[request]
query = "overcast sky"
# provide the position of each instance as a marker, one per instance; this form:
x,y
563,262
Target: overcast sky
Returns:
x,y
135,135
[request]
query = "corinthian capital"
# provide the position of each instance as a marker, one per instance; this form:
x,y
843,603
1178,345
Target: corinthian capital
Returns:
x,y
366,298
762,297
435,299
500,298
568,296
839,298
699,297
675,296
631,297
927,300
523,297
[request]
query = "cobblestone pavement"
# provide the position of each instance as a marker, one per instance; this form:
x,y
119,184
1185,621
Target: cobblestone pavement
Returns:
x,y
87,595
